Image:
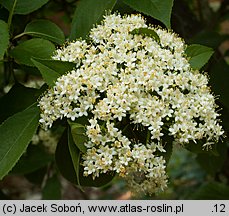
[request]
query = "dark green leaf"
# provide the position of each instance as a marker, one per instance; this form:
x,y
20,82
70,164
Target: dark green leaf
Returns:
x,y
15,134
83,120
52,189
225,117
219,80
122,8
100,181
199,55
17,99
213,163
158,9
61,67
23,6
197,148
79,135
49,75
66,167
35,158
208,38
34,48
147,32
75,155
87,14
52,69
63,159
212,191
4,38
45,29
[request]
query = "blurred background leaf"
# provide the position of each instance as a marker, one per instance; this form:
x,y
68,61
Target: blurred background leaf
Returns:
x,y
52,189
23,6
4,39
212,191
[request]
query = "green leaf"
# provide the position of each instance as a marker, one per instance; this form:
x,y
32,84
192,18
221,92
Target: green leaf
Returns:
x,y
225,117
197,148
79,135
87,14
199,55
100,181
49,75
34,48
211,39
212,191
17,99
158,9
61,67
75,155
66,167
219,80
213,163
15,134
122,8
35,158
23,6
52,189
83,120
45,29
52,69
147,32
4,38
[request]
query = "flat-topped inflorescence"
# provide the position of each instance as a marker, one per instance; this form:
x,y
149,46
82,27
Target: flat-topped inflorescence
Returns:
x,y
120,75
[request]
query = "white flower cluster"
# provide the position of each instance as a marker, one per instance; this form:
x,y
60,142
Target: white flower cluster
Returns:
x,y
120,75
109,150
